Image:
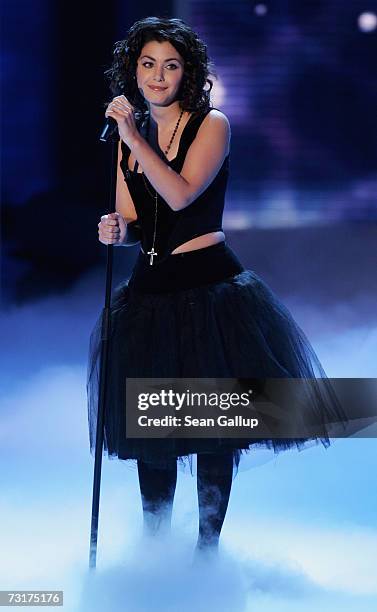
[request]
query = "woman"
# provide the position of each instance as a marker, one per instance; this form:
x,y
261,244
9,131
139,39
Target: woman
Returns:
x,y
190,309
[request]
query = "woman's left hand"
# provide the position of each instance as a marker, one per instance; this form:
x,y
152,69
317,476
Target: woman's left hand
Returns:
x,y
122,111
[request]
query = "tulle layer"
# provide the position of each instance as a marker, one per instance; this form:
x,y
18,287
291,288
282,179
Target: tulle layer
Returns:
x,y
236,328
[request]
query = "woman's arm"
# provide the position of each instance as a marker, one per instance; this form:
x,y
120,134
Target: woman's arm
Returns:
x,y
121,227
204,159
123,203
125,207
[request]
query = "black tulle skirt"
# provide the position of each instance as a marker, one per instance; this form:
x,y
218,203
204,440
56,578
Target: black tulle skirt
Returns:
x,y
199,314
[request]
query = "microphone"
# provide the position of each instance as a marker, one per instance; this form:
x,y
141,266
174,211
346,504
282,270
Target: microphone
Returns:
x,y
108,129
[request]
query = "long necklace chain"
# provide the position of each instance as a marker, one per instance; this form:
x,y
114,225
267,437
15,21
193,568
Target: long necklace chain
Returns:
x,y
152,252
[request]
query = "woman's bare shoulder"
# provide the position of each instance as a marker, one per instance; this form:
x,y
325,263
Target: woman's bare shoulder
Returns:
x,y
215,128
215,121
216,116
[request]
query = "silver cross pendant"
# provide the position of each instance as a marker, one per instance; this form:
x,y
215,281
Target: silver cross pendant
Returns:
x,y
152,254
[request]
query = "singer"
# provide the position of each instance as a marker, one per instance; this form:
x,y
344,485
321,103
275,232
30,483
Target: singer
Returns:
x,y
190,309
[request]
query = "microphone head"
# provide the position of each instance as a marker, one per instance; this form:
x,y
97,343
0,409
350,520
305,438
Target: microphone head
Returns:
x,y
109,130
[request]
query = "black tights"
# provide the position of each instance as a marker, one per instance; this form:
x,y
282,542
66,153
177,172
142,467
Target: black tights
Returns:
x,y
214,482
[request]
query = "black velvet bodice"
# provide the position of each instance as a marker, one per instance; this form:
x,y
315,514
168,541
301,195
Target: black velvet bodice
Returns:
x,y
202,216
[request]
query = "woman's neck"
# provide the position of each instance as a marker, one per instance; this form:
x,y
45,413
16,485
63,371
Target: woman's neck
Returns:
x,y
165,116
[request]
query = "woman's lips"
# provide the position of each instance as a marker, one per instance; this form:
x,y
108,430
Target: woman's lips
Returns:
x,y
157,88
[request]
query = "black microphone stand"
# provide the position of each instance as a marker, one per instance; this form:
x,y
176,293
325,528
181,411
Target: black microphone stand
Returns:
x,y
109,134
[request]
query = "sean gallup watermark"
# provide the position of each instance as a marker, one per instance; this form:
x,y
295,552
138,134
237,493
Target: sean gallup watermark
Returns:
x,y
190,421
248,408
187,407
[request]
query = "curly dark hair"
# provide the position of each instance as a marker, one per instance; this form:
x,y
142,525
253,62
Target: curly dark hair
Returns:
x,y
197,66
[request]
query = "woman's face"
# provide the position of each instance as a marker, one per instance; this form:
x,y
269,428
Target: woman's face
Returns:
x,y
159,72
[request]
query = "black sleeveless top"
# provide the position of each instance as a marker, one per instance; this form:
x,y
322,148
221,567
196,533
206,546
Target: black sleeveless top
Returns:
x,y
202,216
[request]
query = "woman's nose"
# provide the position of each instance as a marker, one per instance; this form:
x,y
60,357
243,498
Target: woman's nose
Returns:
x,y
159,73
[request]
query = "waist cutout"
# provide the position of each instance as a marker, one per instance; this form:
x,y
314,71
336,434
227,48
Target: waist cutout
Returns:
x,y
186,270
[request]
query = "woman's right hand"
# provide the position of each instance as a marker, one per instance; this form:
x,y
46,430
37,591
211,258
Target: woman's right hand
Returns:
x,y
112,229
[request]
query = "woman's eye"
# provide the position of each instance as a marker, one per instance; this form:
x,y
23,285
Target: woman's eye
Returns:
x,y
172,66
